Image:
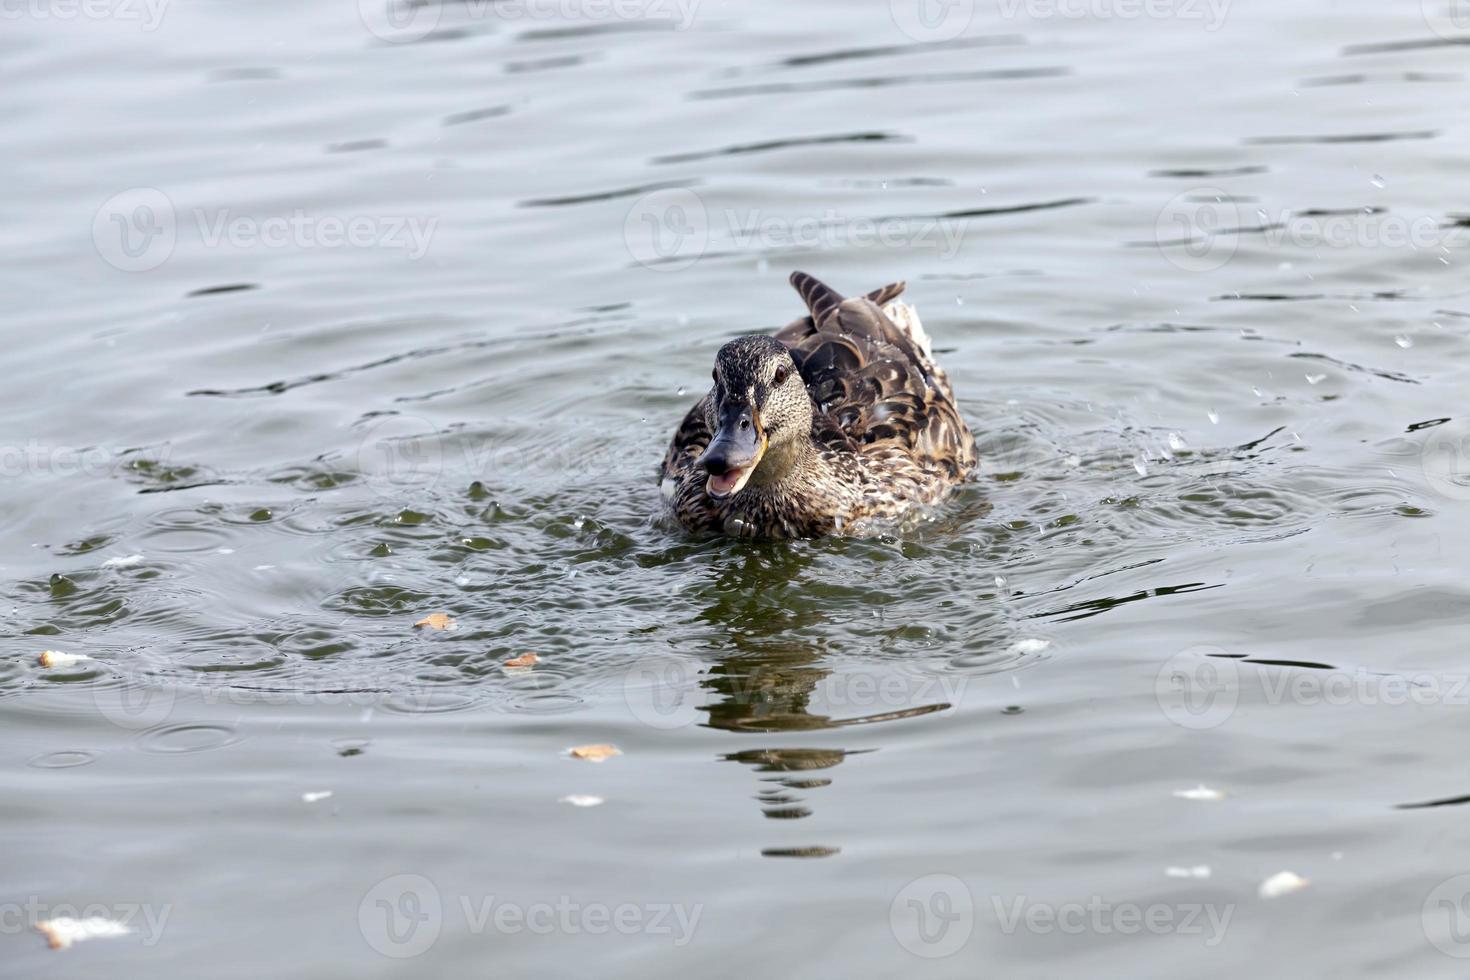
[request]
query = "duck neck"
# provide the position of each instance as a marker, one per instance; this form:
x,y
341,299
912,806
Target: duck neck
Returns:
x,y
789,464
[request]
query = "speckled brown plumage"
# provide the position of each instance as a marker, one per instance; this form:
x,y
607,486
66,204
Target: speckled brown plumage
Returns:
x,y
884,434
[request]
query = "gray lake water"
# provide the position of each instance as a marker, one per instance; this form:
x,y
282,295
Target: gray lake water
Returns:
x,y
322,317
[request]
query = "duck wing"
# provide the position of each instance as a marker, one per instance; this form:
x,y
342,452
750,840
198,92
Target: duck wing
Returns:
x,y
691,438
873,378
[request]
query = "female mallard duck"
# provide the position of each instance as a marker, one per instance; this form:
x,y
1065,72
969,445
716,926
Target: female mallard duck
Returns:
x,y
840,420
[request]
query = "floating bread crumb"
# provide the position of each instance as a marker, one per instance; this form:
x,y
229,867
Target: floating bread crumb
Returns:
x,y
1282,883
63,931
55,658
437,621
594,753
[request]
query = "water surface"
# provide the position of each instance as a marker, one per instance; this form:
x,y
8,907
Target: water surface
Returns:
x,y
320,321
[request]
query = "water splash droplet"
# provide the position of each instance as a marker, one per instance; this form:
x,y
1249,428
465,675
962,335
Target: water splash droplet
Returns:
x,y
1213,416
1378,182
1313,379
1404,341
680,391
1141,465
1176,442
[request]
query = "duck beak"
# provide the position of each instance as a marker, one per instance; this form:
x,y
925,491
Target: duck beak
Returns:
x,y
734,452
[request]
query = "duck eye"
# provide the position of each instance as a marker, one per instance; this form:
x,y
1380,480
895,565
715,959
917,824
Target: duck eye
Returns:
x,y
782,373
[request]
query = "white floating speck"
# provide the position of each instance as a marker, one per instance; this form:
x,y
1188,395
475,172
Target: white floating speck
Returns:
x,y
1198,871
580,799
56,658
1313,379
1200,792
1282,883
1378,182
1141,465
1029,646
123,561
224,551
316,796
61,932
1404,341
1213,416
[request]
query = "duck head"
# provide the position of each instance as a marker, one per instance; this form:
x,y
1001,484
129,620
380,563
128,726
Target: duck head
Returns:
x,y
760,414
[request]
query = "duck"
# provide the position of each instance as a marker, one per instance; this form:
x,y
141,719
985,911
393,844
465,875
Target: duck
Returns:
x,y
841,423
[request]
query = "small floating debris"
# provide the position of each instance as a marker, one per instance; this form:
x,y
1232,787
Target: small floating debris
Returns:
x,y
1282,883
1029,647
55,658
524,660
63,931
316,796
800,852
582,800
437,621
1197,871
1200,792
123,561
594,753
